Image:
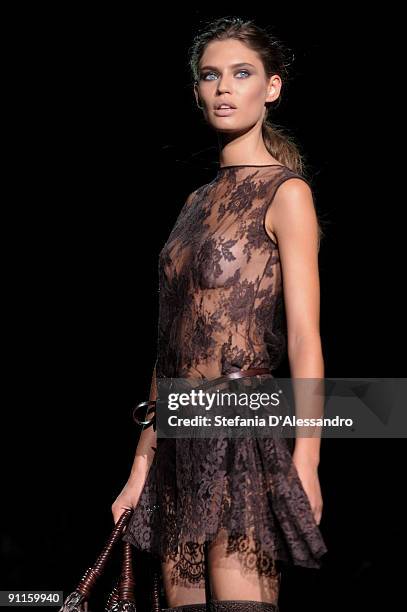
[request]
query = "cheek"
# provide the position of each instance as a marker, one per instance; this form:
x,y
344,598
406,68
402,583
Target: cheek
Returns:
x,y
253,96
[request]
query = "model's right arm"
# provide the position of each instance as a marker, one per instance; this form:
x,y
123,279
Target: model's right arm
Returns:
x,y
129,496
148,439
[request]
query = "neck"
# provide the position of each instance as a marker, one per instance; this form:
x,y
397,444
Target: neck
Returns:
x,y
240,151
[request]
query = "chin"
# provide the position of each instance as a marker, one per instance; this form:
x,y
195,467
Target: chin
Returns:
x,y
230,125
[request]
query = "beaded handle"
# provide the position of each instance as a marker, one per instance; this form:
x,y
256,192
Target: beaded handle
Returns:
x,y
88,581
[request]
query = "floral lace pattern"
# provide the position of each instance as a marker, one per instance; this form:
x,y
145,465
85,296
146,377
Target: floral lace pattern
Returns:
x,y
221,299
221,309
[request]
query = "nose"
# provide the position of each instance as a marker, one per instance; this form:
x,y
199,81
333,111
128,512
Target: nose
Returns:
x,y
224,84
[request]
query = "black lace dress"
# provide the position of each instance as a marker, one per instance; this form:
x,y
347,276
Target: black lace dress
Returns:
x,y
222,309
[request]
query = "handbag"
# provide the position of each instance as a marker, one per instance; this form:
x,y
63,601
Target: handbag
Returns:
x,y
122,597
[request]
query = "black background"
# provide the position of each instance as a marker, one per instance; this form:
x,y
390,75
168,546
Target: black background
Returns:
x,y
104,143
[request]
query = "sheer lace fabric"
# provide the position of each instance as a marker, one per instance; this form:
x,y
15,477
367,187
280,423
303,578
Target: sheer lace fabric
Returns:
x,y
221,309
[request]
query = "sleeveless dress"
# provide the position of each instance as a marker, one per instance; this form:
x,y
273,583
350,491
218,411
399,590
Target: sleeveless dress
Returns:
x,y
221,309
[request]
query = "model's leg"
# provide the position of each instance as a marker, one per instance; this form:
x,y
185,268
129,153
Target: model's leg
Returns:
x,y
239,570
184,576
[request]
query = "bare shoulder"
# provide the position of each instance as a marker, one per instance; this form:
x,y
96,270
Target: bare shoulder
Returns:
x,y
293,191
292,202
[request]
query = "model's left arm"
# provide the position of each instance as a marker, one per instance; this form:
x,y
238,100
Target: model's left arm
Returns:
x,y
292,222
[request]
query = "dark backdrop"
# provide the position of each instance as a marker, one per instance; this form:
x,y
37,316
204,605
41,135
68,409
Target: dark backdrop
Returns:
x,y
105,145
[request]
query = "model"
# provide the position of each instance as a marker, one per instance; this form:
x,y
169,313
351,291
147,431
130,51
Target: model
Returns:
x,y
239,289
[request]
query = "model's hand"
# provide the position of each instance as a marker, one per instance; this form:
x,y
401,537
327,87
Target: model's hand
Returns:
x,y
127,498
308,474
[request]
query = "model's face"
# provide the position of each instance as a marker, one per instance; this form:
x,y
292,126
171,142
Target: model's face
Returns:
x,y
245,86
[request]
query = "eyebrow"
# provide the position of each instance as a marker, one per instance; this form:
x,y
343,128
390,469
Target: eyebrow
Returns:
x,y
232,66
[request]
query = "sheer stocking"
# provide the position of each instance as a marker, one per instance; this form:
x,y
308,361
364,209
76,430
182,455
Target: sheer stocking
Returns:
x,y
229,569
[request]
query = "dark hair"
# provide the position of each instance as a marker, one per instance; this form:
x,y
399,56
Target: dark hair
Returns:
x,y
276,58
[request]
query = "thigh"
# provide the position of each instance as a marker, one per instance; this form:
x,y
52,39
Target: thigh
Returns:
x,y
184,575
239,569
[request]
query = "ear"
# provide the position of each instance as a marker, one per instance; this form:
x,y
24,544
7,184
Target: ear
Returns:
x,y
273,88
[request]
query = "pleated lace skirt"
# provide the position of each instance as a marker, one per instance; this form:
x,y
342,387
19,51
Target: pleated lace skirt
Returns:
x,y
246,489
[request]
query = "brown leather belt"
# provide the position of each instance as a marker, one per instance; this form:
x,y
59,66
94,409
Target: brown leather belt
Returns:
x,y
150,404
233,375
249,372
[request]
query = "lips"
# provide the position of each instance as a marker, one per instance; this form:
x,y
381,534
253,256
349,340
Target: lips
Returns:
x,y
224,105
224,112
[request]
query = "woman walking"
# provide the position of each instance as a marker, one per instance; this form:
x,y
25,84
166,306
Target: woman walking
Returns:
x,y
239,286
